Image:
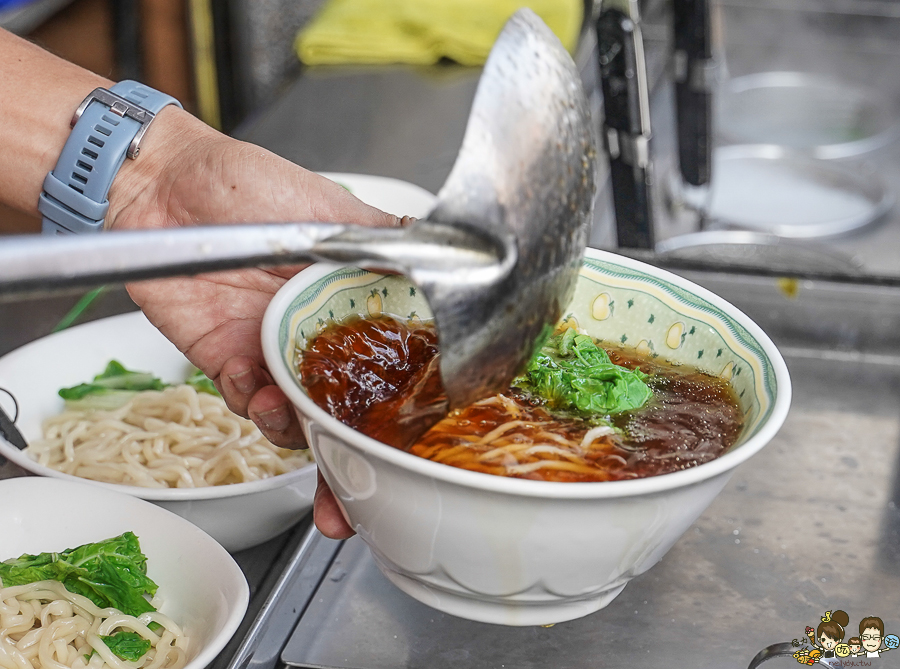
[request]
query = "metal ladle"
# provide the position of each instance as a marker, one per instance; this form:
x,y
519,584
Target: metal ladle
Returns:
x,y
497,258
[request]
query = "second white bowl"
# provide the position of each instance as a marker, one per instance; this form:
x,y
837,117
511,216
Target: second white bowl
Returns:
x,y
201,585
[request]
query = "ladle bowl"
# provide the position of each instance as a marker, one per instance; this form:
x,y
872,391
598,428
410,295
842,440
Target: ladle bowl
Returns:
x,y
498,256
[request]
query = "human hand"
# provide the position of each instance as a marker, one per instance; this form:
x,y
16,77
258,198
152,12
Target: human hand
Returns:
x,y
189,174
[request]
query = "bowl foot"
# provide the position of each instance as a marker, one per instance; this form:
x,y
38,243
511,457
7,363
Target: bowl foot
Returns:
x,y
516,614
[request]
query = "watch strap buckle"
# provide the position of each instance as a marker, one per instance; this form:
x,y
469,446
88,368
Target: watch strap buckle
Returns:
x,y
120,107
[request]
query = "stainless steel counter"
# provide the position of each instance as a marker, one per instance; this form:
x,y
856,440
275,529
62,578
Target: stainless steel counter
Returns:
x,y
809,524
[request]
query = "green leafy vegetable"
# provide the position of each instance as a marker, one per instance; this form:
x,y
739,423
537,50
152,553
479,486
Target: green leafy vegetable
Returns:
x,y
116,386
573,374
129,646
111,389
111,573
202,383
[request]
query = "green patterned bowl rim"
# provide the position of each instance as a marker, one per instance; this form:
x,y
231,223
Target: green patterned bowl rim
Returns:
x,y
771,378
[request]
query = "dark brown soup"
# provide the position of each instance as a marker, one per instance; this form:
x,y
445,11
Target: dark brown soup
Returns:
x,y
380,376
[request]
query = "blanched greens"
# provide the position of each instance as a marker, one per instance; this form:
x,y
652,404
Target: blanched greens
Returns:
x,y
202,383
111,573
573,374
111,389
116,386
130,646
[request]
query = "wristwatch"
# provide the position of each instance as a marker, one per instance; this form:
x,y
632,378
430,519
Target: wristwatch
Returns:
x,y
107,126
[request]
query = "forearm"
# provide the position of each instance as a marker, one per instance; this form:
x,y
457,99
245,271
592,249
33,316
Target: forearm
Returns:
x,y
186,173
38,95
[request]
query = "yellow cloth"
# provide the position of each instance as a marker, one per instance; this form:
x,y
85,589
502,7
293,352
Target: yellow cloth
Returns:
x,y
422,31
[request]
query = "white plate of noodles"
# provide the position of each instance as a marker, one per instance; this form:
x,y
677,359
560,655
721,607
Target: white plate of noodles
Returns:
x,y
201,594
213,468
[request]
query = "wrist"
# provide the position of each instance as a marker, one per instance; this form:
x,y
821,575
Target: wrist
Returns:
x,y
141,193
108,128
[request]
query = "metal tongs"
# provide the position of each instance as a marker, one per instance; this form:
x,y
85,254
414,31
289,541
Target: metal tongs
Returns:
x,y
497,258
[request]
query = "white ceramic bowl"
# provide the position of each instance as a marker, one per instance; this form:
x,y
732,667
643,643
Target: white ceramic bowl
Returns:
x,y
521,552
238,516
201,586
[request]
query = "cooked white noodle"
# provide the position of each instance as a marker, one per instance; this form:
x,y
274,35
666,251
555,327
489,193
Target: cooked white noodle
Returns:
x,y
44,626
595,433
174,438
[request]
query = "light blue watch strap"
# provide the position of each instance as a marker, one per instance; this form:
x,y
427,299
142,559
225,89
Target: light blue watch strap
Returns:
x,y
108,128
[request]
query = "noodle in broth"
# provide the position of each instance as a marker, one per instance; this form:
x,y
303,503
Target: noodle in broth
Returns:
x,y
367,373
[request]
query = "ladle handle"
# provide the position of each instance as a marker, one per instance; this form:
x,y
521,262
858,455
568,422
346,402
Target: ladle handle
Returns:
x,y
33,265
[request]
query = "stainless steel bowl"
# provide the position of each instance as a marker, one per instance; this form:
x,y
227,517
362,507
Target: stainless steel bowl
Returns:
x,y
816,114
779,191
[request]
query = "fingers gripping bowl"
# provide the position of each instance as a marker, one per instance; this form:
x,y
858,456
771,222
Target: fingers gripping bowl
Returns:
x,y
515,551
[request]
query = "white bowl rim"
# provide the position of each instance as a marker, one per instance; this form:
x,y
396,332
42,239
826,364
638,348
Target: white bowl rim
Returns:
x,y
231,624
22,459
526,487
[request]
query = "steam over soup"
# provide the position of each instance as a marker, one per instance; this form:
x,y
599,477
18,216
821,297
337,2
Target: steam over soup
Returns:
x,y
581,412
